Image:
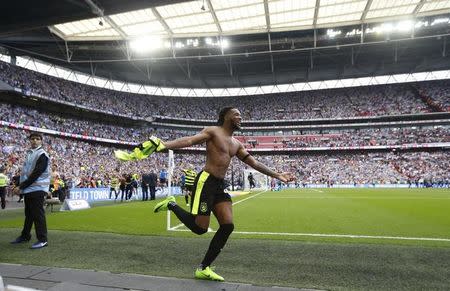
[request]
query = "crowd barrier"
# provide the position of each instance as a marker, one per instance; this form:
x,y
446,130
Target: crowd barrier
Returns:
x,y
102,194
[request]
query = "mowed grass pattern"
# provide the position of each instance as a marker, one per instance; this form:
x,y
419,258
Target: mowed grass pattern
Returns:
x,y
374,212
129,237
134,217
410,213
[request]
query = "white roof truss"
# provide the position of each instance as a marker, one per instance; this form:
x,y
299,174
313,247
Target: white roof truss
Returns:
x,y
218,17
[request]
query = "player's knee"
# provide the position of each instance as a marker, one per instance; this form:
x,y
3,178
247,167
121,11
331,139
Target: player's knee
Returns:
x,y
199,230
227,228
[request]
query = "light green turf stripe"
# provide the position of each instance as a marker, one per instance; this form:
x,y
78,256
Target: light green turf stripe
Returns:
x,y
198,191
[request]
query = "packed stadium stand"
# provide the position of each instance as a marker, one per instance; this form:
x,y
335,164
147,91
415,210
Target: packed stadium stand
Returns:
x,y
340,154
332,103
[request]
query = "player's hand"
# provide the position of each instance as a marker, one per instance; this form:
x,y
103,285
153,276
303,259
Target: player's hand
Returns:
x,y
286,177
157,143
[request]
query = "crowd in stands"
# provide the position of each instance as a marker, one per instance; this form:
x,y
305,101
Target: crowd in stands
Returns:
x,y
438,93
84,164
349,137
58,122
78,161
90,164
371,137
331,103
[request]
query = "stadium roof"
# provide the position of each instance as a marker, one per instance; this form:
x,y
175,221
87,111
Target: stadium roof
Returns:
x,y
271,42
231,17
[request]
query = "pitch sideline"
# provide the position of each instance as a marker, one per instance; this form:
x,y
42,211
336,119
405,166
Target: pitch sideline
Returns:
x,y
237,202
338,235
176,228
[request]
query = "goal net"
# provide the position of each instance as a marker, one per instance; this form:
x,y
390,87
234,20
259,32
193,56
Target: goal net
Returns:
x,y
260,181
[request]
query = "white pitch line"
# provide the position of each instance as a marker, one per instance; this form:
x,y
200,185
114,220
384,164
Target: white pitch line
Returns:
x,y
253,196
177,226
339,235
315,190
361,197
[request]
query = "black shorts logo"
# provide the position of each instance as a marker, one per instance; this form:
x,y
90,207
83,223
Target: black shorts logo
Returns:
x,y
203,207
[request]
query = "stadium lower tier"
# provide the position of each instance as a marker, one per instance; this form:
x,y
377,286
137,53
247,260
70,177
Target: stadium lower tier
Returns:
x,y
29,116
82,163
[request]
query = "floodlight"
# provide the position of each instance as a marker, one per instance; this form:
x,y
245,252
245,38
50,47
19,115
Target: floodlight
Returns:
x,y
224,43
406,25
146,43
440,20
387,27
421,23
179,44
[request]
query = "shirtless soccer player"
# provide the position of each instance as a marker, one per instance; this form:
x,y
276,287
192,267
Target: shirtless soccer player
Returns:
x,y
209,194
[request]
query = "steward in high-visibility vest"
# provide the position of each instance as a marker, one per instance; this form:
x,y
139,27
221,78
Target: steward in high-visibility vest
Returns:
x,y
34,184
114,187
4,181
134,181
115,183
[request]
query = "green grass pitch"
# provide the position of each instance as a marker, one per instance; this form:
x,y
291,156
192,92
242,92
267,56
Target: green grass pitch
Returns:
x,y
311,238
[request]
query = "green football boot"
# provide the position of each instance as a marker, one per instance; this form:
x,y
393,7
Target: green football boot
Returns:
x,y
162,206
208,274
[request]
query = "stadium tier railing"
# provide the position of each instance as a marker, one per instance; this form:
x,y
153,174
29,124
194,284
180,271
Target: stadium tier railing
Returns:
x,y
30,93
320,126
63,134
436,145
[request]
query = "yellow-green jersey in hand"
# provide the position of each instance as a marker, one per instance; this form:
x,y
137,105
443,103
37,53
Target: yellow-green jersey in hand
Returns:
x,y
142,151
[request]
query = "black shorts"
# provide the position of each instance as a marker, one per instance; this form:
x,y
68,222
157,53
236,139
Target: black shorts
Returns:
x,y
208,191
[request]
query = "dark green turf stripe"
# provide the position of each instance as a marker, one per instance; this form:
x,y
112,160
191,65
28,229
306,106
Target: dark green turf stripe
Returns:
x,y
263,262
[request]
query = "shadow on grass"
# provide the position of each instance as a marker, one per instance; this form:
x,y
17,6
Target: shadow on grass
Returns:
x,y
260,262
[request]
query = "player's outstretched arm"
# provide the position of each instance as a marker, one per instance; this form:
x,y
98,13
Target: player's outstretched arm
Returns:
x,y
188,141
154,144
244,156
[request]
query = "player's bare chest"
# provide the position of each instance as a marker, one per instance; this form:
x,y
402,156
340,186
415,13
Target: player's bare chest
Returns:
x,y
227,145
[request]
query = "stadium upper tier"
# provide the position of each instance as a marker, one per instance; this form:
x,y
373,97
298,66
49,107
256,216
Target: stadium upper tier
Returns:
x,y
395,99
438,93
